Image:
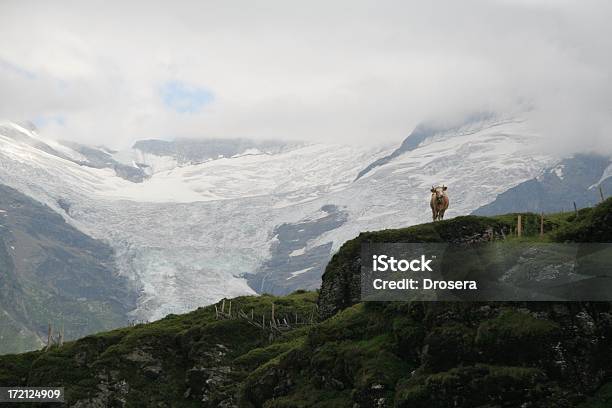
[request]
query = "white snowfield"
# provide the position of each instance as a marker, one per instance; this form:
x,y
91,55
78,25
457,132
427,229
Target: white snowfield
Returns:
x,y
186,235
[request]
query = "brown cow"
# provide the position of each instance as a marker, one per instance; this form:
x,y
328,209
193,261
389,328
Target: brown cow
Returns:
x,y
439,202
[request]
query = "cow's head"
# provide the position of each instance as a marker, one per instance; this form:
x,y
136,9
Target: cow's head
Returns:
x,y
438,192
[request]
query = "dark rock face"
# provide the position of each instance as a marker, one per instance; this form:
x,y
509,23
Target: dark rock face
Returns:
x,y
99,159
342,290
197,151
341,285
286,271
418,135
573,180
52,273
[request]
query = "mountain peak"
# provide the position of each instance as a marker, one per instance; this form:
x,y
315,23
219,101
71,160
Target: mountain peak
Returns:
x,y
428,130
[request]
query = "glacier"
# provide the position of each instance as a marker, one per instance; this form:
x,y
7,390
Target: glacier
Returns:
x,y
262,217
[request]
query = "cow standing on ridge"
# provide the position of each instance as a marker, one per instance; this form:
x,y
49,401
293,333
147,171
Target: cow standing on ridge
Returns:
x,y
439,202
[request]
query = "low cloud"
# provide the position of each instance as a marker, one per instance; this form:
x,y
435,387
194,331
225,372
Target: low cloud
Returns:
x,y
350,72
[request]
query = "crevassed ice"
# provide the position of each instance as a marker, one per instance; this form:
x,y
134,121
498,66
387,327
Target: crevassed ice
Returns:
x,y
187,235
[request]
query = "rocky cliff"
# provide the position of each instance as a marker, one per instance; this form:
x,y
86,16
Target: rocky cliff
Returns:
x,y
341,284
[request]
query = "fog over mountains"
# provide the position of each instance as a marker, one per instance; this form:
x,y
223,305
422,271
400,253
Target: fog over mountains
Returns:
x,y
190,222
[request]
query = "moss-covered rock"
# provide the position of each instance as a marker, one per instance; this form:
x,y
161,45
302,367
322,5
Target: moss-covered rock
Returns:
x,y
475,386
517,336
341,285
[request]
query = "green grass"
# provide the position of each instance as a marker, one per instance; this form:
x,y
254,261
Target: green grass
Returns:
x,y
175,343
603,398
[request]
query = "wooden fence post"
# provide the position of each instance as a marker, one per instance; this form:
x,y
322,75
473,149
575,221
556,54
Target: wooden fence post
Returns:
x,y
601,193
273,320
542,224
575,208
519,226
49,333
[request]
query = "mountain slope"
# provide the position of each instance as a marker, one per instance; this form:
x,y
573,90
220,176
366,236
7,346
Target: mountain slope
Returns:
x,y
425,131
464,355
573,180
269,220
52,273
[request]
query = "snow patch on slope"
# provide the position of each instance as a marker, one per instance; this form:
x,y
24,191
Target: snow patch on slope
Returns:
x,y
606,175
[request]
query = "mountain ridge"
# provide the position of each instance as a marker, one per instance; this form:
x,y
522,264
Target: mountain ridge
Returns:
x,y
575,180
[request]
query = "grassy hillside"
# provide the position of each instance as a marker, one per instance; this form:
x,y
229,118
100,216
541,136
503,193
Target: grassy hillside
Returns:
x,y
175,361
538,354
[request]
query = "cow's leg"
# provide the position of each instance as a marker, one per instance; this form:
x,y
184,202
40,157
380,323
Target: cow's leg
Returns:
x,y
441,214
434,215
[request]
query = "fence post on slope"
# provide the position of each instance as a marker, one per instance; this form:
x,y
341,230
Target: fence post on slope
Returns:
x,y
61,336
601,193
273,321
49,337
519,226
575,209
542,224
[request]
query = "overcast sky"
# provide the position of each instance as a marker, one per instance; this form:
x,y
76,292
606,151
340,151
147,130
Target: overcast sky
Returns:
x,y
345,71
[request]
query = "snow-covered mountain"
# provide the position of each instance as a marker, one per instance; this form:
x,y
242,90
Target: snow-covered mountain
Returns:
x,y
582,179
192,222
